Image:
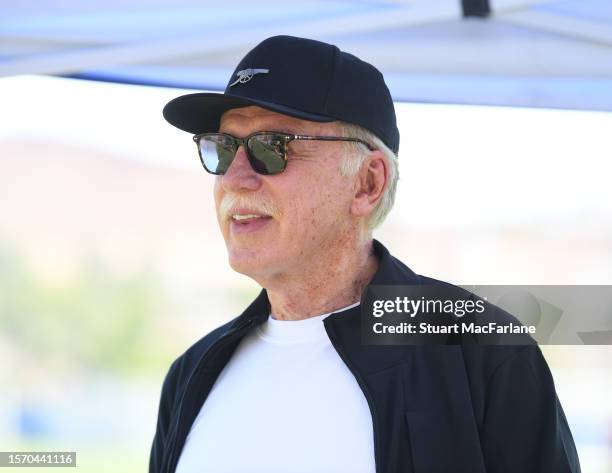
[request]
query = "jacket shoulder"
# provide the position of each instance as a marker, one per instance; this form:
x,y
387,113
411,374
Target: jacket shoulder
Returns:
x,y
484,354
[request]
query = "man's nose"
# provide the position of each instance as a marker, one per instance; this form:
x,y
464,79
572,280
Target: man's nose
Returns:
x,y
240,174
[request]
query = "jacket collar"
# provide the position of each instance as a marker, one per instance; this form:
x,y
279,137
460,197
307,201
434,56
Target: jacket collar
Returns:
x,y
391,271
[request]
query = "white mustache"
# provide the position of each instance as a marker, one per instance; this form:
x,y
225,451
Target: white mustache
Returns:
x,y
231,202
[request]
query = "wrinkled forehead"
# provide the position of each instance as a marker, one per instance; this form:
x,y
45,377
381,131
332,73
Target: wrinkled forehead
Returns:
x,y
246,120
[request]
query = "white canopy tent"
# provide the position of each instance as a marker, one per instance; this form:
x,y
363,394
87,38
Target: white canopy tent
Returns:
x,y
524,53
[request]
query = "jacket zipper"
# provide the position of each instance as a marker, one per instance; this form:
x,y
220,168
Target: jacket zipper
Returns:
x,y
220,341
367,394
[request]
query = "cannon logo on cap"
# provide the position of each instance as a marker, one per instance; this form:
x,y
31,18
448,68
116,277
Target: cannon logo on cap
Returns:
x,y
246,75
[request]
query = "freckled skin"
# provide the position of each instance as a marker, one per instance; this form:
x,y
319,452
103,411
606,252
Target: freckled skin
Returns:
x,y
316,255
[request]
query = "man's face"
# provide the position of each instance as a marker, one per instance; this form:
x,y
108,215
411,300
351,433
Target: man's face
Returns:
x,y
303,212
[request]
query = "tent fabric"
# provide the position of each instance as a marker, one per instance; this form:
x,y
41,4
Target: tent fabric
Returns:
x,y
529,53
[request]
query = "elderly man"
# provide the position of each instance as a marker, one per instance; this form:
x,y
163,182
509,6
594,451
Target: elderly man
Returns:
x,y
303,144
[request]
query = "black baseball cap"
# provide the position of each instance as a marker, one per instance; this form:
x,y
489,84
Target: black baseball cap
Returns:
x,y
299,77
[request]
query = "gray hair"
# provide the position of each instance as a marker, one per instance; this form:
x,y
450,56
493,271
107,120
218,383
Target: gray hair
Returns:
x,y
354,159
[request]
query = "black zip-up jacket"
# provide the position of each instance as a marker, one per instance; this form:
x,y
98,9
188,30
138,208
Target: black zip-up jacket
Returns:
x,y
456,408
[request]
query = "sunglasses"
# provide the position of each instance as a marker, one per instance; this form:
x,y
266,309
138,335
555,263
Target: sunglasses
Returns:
x,y
266,150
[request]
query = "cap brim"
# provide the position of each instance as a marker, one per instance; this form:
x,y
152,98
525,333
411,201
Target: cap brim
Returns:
x,y
201,112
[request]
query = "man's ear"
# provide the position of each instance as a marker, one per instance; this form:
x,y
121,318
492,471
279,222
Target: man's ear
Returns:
x,y
371,181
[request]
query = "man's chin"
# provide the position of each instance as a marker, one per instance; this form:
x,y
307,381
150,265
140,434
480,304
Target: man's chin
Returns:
x,y
249,261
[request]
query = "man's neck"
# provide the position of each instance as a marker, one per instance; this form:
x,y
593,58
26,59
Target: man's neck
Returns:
x,y
331,283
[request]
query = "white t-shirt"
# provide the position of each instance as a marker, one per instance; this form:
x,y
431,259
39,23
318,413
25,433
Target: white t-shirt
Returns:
x,y
284,403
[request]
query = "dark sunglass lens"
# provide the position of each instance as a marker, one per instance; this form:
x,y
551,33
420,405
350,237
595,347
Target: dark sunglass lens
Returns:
x,y
267,153
217,153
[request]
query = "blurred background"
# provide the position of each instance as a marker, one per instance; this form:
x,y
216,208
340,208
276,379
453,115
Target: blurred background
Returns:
x,y
111,263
